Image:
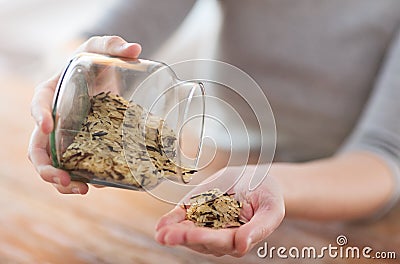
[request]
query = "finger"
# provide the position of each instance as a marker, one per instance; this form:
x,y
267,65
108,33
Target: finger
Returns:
x,y
220,241
260,226
176,215
63,184
53,175
41,104
205,240
41,161
73,188
111,45
199,248
174,234
43,165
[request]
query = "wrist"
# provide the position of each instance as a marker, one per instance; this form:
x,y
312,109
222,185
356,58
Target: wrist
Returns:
x,y
336,188
285,175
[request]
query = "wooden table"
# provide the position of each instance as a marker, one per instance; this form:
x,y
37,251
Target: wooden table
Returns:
x,y
38,225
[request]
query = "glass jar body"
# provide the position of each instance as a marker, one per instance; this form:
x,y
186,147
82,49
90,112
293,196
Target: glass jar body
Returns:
x,y
120,122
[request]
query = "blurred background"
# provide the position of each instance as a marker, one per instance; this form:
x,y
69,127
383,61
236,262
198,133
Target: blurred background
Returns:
x,y
33,29
38,225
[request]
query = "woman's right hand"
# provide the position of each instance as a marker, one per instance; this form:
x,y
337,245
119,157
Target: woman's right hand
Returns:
x,y
41,109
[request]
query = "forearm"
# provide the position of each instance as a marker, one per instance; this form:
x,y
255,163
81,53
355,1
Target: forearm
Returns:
x,y
347,186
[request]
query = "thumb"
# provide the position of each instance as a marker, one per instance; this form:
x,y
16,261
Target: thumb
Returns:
x,y
176,215
111,45
260,226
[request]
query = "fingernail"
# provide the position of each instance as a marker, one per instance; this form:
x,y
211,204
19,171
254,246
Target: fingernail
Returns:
x,y
57,180
158,238
39,121
127,45
75,190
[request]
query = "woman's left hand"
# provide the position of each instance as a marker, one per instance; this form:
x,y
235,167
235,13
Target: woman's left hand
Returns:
x,y
263,210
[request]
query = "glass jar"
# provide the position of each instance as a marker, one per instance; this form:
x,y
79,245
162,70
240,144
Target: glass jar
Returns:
x,y
123,123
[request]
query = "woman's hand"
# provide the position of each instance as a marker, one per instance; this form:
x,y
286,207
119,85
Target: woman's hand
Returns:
x,y
41,108
263,210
